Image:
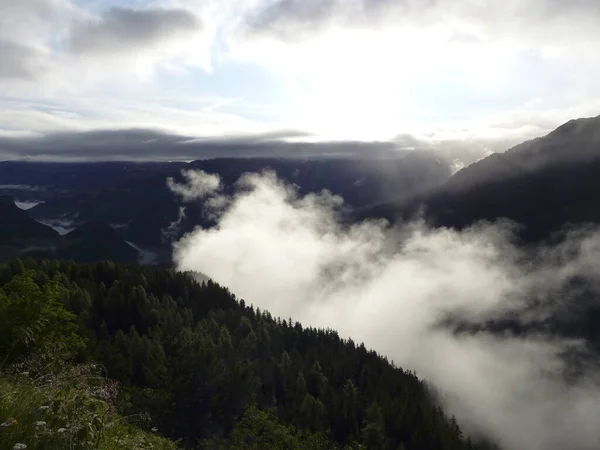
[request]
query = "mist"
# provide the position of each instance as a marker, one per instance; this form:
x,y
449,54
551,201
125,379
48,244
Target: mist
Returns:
x,y
394,287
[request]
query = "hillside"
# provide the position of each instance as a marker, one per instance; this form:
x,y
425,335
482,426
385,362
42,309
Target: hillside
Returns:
x,y
96,241
48,177
544,185
141,207
17,226
20,235
209,369
18,231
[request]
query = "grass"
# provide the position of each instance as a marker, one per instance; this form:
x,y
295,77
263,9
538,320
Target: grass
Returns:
x,y
69,409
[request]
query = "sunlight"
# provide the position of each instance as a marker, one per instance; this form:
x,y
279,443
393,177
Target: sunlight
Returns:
x,y
366,84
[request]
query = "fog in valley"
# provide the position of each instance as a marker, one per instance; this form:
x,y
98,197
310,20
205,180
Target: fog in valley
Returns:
x,y
395,289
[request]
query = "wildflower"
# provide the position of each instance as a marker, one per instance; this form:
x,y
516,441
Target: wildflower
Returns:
x,y
61,430
9,422
40,423
19,446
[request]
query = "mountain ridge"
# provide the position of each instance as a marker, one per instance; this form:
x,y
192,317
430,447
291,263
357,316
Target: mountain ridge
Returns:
x,y
544,184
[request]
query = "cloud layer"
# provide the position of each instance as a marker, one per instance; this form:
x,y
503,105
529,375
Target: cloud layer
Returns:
x,y
364,70
393,288
126,29
284,16
156,145
142,144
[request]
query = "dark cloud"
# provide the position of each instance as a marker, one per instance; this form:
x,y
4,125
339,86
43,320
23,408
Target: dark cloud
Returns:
x,y
140,144
18,61
290,19
293,16
123,28
287,18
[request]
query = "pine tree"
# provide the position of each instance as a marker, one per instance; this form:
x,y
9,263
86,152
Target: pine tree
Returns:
x,y
373,432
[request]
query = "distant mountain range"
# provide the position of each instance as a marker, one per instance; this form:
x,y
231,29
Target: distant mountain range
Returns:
x,y
134,201
18,229
20,235
42,180
122,209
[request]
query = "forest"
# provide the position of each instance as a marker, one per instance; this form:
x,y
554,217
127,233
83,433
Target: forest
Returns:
x,y
188,365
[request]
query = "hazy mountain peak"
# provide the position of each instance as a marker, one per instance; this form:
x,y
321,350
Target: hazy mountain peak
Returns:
x,y
575,140
583,127
17,226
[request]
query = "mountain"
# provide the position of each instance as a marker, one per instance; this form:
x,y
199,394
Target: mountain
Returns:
x,y
140,208
200,365
45,178
96,241
20,235
17,226
19,231
544,185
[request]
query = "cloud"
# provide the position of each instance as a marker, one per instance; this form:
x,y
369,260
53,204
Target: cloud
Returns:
x,y
358,70
22,187
142,144
27,204
125,30
26,29
62,226
283,17
169,233
197,186
287,17
19,61
152,144
395,288
68,44
374,67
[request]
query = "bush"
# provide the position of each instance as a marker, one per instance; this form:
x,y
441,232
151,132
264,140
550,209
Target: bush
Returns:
x,y
72,409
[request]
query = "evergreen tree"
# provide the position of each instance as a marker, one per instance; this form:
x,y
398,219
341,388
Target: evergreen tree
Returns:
x,y
373,432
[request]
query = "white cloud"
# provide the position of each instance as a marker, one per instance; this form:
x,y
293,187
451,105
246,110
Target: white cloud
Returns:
x,y
342,70
391,287
56,49
139,108
373,68
197,186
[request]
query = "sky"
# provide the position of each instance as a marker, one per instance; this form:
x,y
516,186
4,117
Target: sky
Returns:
x,y
472,73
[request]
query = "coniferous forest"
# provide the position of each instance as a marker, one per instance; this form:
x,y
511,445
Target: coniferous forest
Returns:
x,y
159,360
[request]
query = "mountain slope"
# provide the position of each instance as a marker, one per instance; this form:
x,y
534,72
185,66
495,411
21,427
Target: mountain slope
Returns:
x,y
213,371
96,241
17,226
20,235
71,176
544,185
144,206
19,232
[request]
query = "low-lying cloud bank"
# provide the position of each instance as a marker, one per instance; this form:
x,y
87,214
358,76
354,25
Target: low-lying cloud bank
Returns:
x,y
392,287
156,145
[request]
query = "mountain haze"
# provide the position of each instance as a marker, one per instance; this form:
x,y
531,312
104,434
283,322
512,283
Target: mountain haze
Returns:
x,y
543,185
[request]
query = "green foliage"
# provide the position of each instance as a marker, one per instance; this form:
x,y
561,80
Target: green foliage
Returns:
x,y
32,318
260,430
210,369
71,409
374,429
